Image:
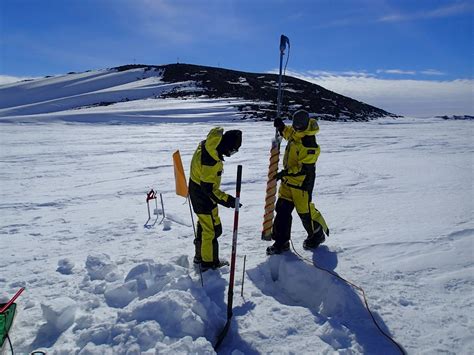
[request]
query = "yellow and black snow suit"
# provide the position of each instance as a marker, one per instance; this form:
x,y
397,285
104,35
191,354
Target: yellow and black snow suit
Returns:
x,y
296,189
205,193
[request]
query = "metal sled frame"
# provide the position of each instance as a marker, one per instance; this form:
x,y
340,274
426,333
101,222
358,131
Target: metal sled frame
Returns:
x,y
152,195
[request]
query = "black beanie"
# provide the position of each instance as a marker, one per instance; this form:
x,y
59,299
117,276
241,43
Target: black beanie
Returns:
x,y
300,120
231,141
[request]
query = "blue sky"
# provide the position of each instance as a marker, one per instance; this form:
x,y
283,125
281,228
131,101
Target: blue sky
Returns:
x,y
404,40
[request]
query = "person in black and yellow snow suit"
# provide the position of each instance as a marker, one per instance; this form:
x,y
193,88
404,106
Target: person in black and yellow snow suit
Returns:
x,y
297,183
205,193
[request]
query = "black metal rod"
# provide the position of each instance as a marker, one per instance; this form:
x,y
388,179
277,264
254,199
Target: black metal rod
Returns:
x,y
243,277
234,243
162,205
230,295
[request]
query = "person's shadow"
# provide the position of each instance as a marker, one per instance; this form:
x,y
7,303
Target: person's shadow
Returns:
x,y
325,258
294,281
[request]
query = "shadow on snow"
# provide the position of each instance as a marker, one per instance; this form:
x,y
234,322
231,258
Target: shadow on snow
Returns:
x,y
335,304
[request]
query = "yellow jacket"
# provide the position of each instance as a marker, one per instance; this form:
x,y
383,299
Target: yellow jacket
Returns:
x,y
207,168
301,155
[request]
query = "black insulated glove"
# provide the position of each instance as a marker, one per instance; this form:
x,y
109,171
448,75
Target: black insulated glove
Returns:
x,y
278,123
231,202
280,174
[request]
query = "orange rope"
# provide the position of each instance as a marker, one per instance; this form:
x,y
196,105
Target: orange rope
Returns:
x,y
270,196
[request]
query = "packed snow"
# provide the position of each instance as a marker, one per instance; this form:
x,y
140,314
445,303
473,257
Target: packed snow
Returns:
x,y
397,195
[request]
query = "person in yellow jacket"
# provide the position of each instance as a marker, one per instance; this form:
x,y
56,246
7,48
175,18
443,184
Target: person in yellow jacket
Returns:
x,y
205,193
297,183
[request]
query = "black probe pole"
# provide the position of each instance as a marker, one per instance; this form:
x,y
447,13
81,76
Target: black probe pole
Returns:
x,y
230,295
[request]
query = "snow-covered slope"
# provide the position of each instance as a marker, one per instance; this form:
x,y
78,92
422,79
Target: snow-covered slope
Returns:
x,y
106,96
396,194
73,85
139,93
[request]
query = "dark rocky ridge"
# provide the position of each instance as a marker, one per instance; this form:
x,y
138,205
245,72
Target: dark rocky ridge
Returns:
x,y
457,117
261,89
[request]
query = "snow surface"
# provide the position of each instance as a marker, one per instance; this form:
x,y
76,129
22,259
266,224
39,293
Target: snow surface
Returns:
x,y
397,195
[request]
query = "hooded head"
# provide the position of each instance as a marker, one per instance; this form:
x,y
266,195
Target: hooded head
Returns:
x,y
230,143
300,120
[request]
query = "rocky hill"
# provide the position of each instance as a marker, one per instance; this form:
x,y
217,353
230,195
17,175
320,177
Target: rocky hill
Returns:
x,y
457,117
173,92
261,89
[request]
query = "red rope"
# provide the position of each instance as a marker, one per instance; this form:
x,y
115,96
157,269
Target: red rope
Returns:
x,y
402,351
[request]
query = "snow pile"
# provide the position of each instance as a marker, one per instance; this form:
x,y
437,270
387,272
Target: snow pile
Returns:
x,y
160,307
144,280
100,267
59,315
65,266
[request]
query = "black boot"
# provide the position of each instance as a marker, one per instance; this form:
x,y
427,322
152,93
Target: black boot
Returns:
x,y
213,265
278,249
313,242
